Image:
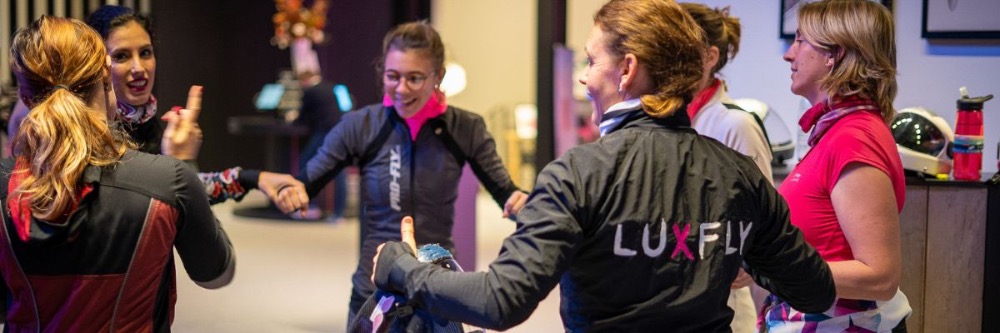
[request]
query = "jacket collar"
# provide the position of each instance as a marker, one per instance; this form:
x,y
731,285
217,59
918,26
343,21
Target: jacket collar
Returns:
x,y
636,117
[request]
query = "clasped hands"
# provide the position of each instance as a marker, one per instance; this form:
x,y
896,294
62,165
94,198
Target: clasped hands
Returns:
x,y
182,140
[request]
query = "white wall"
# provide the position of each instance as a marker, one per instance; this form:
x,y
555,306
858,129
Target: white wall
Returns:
x,y
495,41
929,73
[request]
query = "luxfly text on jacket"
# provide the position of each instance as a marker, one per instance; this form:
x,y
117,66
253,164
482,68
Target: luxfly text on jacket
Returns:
x,y
643,230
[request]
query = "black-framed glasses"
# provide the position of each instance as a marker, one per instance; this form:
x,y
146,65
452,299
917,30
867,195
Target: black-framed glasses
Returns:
x,y
414,80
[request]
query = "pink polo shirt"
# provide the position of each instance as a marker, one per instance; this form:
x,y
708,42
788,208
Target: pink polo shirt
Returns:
x,y
857,137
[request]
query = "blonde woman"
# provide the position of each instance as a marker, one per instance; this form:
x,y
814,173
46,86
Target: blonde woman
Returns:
x,y
843,61
89,225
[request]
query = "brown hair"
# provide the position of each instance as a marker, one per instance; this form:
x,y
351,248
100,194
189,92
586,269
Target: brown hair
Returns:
x,y
59,63
665,39
862,35
721,30
419,35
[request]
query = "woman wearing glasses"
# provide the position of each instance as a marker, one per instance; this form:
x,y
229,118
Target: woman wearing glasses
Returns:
x,y
411,149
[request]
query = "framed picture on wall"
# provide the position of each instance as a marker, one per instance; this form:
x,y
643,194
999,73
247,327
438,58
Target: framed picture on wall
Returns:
x,y
790,12
961,19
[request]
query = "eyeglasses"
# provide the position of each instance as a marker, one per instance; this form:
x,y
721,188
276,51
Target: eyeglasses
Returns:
x,y
414,80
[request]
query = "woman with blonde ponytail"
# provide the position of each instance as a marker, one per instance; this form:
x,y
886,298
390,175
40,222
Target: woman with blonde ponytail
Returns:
x,y
644,229
89,224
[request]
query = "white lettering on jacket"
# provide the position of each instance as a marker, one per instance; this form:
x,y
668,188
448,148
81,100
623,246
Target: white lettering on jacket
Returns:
x,y
705,237
708,233
395,162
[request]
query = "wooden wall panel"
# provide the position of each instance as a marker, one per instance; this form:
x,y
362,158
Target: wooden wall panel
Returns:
x,y
956,238
913,230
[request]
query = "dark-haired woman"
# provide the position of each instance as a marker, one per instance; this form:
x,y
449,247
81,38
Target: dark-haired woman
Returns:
x,y
411,149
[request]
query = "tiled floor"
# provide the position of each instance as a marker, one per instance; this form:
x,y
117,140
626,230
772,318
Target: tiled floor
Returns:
x,y
295,276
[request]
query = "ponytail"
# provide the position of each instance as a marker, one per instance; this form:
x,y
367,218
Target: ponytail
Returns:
x,y
60,66
661,105
731,31
58,139
721,30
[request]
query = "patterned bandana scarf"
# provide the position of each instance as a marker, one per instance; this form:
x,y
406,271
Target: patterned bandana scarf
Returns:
x,y
137,114
822,116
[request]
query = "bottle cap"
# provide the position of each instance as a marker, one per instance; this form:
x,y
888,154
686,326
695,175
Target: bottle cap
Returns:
x,y
973,103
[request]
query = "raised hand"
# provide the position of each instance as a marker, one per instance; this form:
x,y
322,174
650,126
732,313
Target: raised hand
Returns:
x,y
183,150
189,118
182,137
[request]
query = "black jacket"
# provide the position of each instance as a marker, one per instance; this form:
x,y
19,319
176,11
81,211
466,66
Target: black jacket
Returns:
x,y
110,265
604,221
400,177
148,135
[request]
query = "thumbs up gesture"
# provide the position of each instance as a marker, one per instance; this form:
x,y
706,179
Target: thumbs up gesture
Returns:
x,y
409,242
406,233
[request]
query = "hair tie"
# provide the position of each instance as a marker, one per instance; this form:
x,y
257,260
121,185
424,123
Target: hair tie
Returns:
x,y
60,86
724,11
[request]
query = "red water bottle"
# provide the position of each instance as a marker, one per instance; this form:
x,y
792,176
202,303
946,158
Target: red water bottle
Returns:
x,y
968,147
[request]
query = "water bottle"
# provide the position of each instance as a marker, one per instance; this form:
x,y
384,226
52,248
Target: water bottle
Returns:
x,y
968,147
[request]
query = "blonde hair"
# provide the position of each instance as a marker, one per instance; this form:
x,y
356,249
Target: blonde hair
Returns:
x,y
721,30
861,35
58,63
665,39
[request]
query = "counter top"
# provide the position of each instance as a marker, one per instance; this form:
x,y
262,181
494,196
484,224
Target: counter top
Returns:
x,y
987,179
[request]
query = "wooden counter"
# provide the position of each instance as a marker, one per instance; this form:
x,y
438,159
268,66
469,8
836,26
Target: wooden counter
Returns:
x,y
944,237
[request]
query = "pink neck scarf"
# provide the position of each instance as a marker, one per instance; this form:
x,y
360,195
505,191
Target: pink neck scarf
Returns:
x,y
435,107
822,116
702,97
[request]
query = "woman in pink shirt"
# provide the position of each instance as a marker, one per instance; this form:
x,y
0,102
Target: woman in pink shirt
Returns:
x,y
847,192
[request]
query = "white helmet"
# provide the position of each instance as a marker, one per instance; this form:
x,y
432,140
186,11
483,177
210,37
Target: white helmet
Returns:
x,y
924,141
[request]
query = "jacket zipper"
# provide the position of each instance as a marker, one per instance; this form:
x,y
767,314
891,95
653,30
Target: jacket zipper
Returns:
x,y
413,173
